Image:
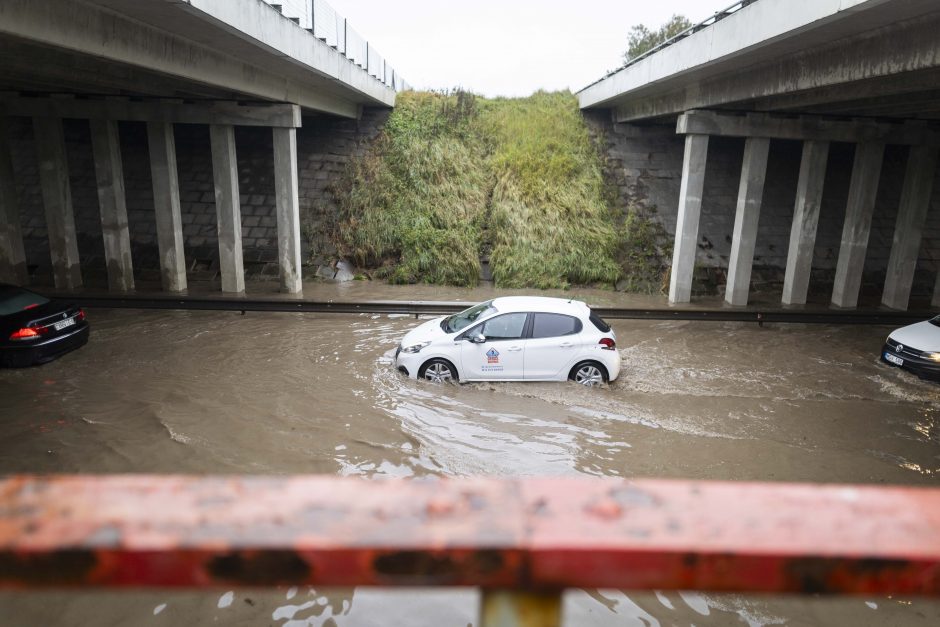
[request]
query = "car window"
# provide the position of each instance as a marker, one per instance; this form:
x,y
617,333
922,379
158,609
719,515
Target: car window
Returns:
x,y
598,322
455,323
505,327
554,325
14,300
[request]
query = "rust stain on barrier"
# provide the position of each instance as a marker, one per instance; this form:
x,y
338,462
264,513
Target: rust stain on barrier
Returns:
x,y
528,534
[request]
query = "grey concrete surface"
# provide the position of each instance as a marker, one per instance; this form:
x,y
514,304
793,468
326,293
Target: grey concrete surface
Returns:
x,y
166,205
747,214
112,203
809,193
288,209
227,209
690,208
12,252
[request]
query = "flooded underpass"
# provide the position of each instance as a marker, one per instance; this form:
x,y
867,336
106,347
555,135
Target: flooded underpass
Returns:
x,y
199,392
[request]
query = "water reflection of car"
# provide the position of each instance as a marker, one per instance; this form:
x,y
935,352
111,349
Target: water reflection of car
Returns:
x,y
915,347
34,330
515,338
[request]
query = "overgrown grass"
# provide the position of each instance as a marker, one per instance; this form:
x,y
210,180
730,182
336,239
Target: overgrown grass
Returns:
x,y
414,206
454,176
550,224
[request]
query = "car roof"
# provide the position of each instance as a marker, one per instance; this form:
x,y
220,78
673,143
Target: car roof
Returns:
x,y
508,304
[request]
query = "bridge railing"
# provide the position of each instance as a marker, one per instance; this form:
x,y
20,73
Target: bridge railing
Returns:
x,y
522,541
712,19
330,27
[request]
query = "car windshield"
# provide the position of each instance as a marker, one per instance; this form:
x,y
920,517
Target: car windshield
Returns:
x,y
459,321
16,299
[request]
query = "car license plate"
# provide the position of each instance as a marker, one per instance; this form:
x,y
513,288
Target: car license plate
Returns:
x,y
64,324
894,360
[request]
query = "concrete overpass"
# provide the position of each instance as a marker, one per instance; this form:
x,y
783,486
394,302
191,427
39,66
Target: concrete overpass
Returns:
x,y
221,63
866,72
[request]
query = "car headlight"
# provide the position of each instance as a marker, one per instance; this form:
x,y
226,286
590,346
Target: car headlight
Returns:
x,y
414,348
933,356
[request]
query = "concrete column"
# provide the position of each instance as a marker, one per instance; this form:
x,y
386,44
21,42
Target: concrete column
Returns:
x,y
863,189
744,239
915,198
12,256
57,200
227,207
166,204
288,208
809,191
690,209
109,171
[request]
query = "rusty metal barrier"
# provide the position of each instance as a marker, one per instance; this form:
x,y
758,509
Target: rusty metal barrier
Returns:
x,y
523,541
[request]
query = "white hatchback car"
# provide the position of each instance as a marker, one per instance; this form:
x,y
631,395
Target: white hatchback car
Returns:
x,y
515,338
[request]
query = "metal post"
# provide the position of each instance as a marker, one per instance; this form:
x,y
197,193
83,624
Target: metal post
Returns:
x,y
507,608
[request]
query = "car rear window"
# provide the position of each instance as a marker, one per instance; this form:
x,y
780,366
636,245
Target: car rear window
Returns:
x,y
554,325
598,322
16,299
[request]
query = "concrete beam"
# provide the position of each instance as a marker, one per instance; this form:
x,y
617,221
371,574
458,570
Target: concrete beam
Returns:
x,y
863,189
806,127
109,172
809,191
690,209
915,198
310,79
170,111
227,207
744,239
166,205
744,75
57,201
288,209
12,255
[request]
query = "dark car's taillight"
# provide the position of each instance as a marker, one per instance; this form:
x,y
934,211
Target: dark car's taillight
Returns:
x,y
27,333
80,315
608,344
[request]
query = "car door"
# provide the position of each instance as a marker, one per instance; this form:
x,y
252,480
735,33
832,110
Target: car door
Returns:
x,y
553,345
501,355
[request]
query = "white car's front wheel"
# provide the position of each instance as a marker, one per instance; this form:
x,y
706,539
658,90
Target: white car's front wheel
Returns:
x,y
438,371
589,373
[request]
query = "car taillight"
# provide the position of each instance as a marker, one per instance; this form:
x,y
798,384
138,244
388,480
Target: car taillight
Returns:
x,y
80,315
608,344
27,333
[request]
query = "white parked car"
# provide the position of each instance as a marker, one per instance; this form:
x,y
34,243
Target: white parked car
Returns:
x,y
915,347
515,338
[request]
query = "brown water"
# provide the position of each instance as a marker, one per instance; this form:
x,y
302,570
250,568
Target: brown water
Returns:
x,y
200,392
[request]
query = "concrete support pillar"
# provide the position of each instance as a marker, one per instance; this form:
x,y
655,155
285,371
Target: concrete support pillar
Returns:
x,y
809,191
690,209
863,189
12,256
288,208
166,204
109,171
915,198
57,200
227,207
744,239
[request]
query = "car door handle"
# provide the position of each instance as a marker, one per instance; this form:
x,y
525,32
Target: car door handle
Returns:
x,y
566,345
514,349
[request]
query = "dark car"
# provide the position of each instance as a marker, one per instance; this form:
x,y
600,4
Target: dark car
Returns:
x,y
34,330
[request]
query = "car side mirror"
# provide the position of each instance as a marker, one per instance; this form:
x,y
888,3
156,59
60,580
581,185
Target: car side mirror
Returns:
x,y
476,338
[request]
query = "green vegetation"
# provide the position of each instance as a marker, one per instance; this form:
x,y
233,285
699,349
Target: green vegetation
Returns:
x,y
454,177
642,39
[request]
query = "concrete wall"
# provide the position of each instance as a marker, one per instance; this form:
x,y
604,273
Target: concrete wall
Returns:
x,y
646,167
325,145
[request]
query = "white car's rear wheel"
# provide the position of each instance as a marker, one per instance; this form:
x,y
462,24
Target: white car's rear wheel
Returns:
x,y
589,373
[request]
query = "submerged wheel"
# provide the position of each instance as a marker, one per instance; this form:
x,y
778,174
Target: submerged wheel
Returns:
x,y
438,371
589,373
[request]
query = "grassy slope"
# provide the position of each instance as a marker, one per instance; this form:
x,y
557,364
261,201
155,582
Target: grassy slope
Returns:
x,y
452,173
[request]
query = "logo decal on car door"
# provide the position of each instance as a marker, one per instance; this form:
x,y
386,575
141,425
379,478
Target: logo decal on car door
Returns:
x,y
492,356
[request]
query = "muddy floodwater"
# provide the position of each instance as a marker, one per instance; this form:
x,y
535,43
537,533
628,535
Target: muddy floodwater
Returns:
x,y
199,392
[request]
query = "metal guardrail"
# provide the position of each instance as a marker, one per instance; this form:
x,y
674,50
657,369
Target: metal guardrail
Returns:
x,y
318,17
522,541
436,308
714,18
